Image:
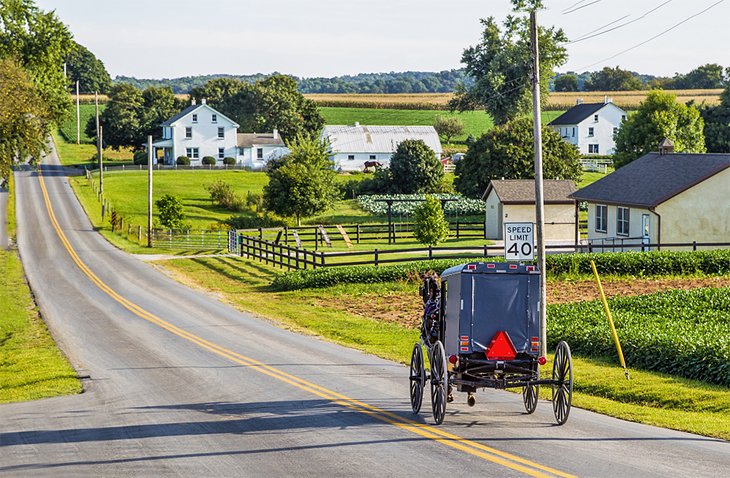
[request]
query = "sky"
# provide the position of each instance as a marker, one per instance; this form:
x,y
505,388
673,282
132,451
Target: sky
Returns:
x,y
174,38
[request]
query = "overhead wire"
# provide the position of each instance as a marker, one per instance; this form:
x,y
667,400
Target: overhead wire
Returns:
x,y
589,35
580,7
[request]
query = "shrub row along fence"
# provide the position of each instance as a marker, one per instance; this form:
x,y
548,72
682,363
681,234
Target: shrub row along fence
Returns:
x,y
290,257
163,238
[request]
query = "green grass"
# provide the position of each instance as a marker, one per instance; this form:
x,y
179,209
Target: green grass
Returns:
x,y
67,129
32,365
72,154
476,123
650,397
589,177
11,207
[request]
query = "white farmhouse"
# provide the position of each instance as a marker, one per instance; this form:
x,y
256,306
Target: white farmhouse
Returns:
x,y
199,131
353,145
590,126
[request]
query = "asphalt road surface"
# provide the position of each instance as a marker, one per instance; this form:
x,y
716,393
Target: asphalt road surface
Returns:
x,y
183,385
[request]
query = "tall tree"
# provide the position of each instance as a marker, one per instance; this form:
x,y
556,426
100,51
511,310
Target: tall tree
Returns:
x,y
448,126
500,66
429,224
613,79
706,76
302,183
84,67
507,151
24,117
217,90
659,116
40,43
414,168
566,82
717,124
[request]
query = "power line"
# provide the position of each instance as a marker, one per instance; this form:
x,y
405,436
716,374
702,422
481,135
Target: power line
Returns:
x,y
580,7
588,35
573,6
600,28
652,38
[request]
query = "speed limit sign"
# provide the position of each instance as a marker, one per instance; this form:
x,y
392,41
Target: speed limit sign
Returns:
x,y
519,243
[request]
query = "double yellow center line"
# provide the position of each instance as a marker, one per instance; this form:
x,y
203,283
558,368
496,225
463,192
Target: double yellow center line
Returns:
x,y
426,431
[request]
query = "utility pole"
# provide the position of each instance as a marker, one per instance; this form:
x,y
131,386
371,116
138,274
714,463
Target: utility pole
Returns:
x,y
99,144
78,115
539,194
149,191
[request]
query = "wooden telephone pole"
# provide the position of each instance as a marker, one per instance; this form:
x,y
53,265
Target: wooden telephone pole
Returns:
x,y
78,113
539,194
99,144
150,156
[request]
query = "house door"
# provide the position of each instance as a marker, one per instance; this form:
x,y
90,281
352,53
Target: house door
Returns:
x,y
645,231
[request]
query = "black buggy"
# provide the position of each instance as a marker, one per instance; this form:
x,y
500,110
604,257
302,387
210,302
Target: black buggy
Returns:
x,y
481,329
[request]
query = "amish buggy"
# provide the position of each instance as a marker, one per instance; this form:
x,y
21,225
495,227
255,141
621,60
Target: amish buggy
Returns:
x,y
481,329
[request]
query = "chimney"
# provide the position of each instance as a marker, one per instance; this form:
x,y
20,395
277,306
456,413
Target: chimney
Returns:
x,y
357,124
202,101
579,101
666,147
607,99
192,102
276,133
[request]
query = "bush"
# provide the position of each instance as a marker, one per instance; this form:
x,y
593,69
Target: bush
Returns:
x,y
229,161
208,160
255,201
223,195
171,211
140,157
430,226
182,161
253,222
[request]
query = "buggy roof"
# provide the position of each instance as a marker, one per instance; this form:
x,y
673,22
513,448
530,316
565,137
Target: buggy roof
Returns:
x,y
489,268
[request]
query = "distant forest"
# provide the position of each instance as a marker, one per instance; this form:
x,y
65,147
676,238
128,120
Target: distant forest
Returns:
x,y
607,79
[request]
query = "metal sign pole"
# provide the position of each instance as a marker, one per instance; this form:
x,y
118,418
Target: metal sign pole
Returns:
x,y
539,195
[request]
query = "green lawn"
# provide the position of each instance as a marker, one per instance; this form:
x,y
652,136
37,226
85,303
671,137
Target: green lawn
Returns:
x,y
67,129
32,365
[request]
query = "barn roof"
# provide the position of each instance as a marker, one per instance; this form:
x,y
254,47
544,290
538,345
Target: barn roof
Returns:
x,y
246,140
522,191
653,179
377,139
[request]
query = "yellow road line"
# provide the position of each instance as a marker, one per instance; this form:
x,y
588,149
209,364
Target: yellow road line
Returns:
x,y
454,441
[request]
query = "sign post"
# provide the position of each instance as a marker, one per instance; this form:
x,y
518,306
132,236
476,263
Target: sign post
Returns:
x,y
519,241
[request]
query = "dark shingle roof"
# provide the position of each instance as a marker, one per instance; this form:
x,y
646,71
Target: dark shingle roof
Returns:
x,y
522,191
246,140
184,112
577,113
653,179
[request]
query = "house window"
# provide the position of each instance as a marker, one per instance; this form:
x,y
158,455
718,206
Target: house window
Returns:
x,y
372,156
590,131
221,153
259,153
622,221
221,133
595,118
192,153
350,157
592,149
195,118
623,118
615,130
188,132
601,217
573,133
214,118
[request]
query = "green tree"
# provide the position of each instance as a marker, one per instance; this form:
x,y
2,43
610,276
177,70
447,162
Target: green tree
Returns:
x,y
39,42
448,126
567,82
89,71
429,224
507,151
500,66
302,183
217,90
659,116
613,79
171,211
273,103
706,76
24,117
717,124
414,168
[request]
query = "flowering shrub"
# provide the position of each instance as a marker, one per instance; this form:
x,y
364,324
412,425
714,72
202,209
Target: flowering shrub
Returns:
x,y
462,206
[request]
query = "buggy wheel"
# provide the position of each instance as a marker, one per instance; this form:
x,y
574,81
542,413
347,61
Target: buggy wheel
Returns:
x,y
439,382
529,397
417,378
562,383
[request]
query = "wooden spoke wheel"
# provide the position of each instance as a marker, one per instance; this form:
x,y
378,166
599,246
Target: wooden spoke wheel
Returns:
x,y
529,397
562,382
417,378
439,382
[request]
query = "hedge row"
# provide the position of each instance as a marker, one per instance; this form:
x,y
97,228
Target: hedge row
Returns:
x,y
642,263
684,333
618,263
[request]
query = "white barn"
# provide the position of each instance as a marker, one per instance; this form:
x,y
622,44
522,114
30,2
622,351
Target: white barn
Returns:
x,y
200,130
353,145
591,126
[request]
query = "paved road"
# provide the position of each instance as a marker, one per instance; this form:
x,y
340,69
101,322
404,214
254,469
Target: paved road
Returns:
x,y
182,385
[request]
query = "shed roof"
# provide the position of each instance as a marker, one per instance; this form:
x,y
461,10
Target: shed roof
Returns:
x,y
378,139
247,140
578,113
653,179
522,191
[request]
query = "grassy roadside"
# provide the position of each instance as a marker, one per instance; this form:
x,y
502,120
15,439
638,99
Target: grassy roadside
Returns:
x,y
32,365
11,208
652,398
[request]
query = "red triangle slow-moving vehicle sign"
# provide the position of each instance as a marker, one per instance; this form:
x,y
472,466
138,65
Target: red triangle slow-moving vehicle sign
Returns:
x,y
501,347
